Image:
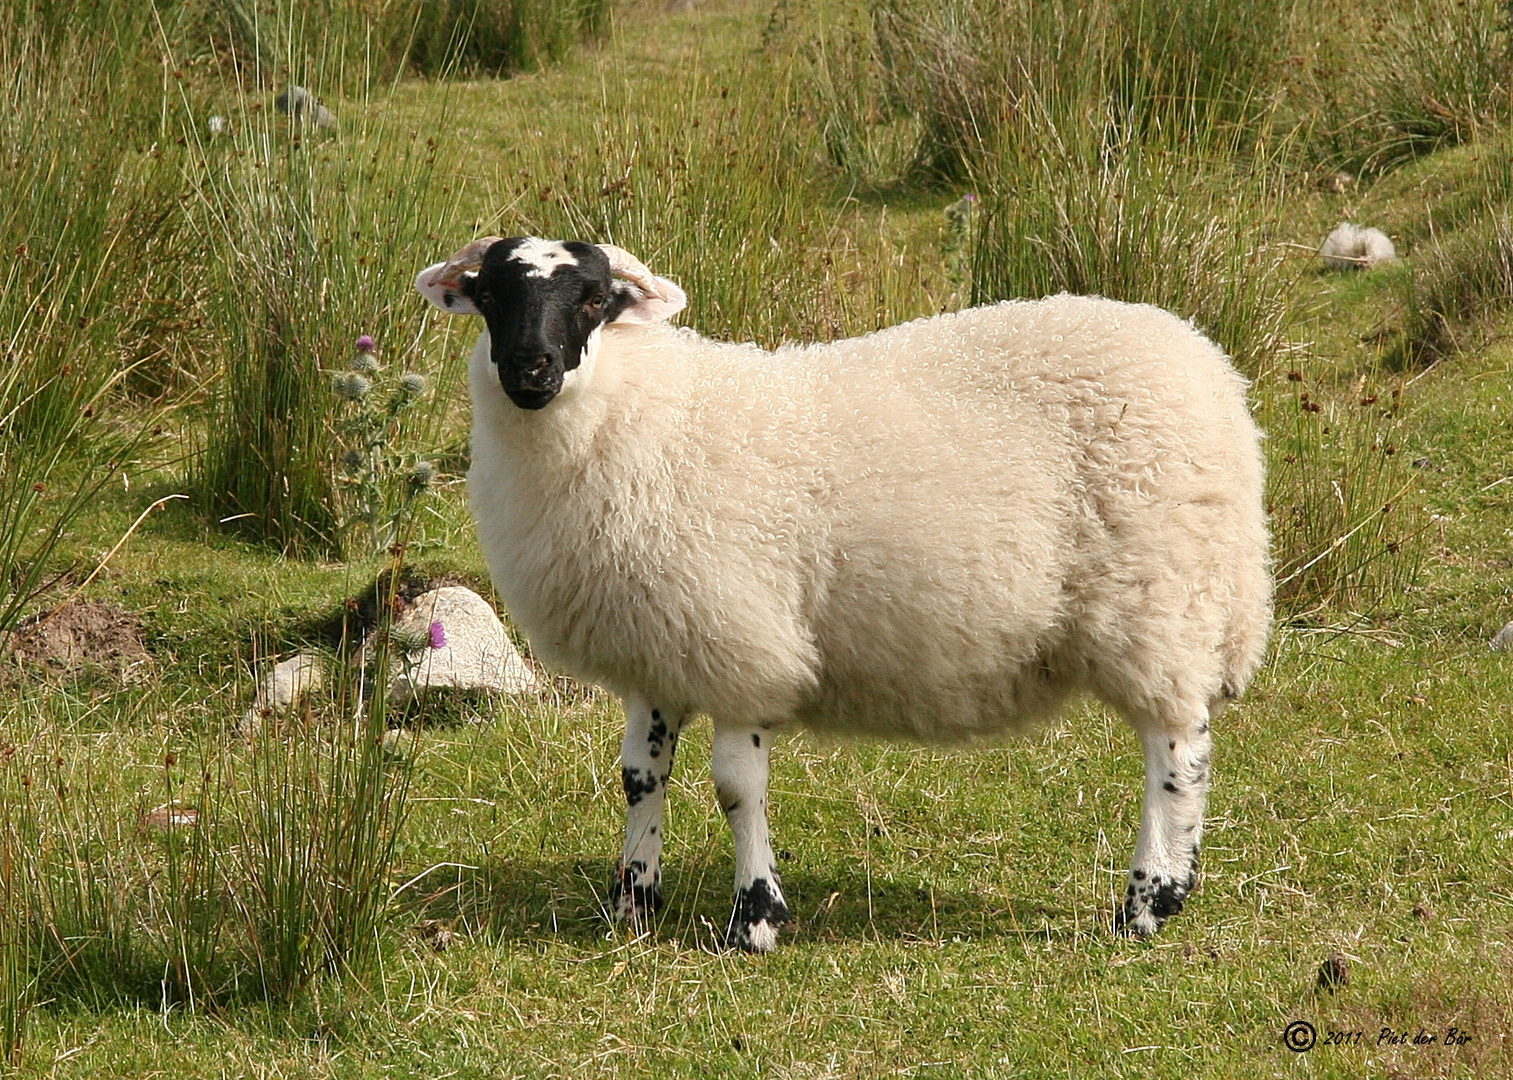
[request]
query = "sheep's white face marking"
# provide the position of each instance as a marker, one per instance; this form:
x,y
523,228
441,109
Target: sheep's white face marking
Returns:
x,y
542,256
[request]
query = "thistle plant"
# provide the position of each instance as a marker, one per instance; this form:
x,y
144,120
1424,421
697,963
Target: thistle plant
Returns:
x,y
378,477
956,242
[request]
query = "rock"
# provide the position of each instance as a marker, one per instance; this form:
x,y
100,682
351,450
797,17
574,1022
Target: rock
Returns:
x,y
435,933
457,643
303,105
170,816
1334,972
1503,642
1339,182
1350,247
1422,911
1423,463
281,689
401,743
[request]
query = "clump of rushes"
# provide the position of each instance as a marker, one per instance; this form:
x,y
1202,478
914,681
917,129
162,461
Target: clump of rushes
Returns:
x,y
378,480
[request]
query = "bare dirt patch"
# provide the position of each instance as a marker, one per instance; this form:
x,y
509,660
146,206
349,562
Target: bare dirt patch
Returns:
x,y
82,634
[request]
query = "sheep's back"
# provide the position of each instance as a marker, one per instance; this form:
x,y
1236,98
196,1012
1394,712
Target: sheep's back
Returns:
x,y
1017,487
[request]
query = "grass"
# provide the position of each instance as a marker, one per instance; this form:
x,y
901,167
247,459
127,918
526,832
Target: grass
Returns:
x,y
952,909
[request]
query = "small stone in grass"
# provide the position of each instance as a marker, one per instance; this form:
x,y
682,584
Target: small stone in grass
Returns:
x,y
170,816
401,743
436,934
1503,642
1422,911
1423,463
1334,972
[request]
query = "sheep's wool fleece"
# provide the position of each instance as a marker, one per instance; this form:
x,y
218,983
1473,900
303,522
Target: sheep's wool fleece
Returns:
x,y
935,531
1350,247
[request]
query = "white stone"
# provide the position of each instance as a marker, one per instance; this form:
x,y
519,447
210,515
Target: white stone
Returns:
x,y
285,686
1350,247
477,654
1503,642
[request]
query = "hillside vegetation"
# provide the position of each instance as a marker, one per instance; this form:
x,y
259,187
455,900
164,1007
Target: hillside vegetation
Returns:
x,y
193,485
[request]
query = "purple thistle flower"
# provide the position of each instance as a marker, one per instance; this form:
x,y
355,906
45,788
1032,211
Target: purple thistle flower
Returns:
x,y
438,635
365,343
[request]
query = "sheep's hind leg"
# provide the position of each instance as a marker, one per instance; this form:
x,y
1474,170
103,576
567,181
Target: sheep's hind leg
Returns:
x,y
651,738
1165,867
740,779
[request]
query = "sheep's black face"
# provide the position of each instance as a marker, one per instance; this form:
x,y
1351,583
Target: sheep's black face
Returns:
x,y
542,300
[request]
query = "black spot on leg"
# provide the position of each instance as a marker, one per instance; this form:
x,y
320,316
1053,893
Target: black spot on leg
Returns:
x,y
1172,745
638,784
1169,786
656,714
756,740
1138,875
755,903
645,892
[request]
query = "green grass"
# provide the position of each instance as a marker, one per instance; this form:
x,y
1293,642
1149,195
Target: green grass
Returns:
x,y
952,910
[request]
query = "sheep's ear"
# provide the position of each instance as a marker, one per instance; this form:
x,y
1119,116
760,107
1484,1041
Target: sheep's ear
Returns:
x,y
449,292
634,305
447,284
640,295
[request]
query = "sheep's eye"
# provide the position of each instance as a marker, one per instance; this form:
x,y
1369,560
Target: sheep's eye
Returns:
x,y
596,301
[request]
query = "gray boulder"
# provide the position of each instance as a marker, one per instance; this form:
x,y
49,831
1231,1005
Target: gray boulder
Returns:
x,y
303,105
452,640
1503,642
284,687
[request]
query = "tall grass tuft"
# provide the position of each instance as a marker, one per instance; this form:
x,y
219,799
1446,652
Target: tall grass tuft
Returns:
x,y
489,37
313,239
962,71
240,871
708,182
357,44
1393,84
1348,523
1083,199
17,964
1462,271
76,210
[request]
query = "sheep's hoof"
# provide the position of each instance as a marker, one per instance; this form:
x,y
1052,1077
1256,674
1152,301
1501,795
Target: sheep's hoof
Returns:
x,y
759,911
1149,902
634,901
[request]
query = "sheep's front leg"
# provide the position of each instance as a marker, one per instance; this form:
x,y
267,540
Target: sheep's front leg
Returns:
x,y
740,780
1165,867
651,738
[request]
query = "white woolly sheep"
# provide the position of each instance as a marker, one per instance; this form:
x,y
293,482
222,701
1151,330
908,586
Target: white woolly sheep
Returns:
x,y
1351,247
936,532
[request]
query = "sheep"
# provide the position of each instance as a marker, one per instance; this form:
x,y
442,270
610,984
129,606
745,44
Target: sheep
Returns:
x,y
1350,247
937,532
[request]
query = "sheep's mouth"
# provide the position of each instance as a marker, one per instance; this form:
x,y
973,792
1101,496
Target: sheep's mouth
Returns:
x,y
532,399
531,385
